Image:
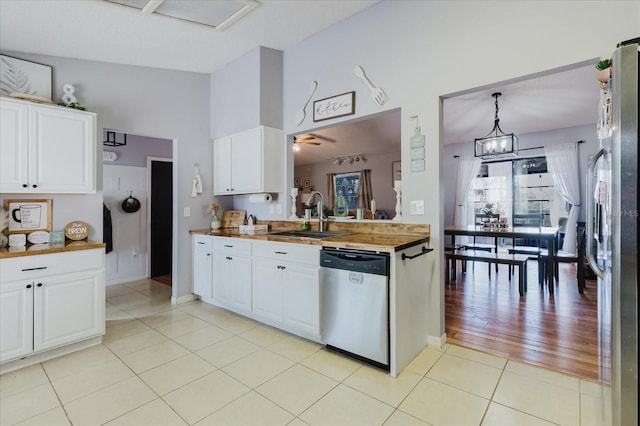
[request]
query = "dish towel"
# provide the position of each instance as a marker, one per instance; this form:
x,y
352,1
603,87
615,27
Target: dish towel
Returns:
x,y
197,183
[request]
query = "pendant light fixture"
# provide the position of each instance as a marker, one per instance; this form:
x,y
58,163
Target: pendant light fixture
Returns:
x,y
496,143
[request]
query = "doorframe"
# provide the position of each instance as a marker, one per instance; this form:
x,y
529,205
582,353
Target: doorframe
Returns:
x,y
173,213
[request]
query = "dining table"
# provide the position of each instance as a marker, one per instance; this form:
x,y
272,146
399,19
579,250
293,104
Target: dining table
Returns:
x,y
548,234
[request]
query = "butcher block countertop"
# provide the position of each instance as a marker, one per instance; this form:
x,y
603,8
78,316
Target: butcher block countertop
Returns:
x,y
37,249
360,235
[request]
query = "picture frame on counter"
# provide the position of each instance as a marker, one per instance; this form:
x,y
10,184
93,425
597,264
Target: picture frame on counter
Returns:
x,y
334,106
25,77
26,216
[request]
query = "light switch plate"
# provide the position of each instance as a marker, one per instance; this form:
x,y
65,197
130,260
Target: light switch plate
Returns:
x,y
417,207
186,212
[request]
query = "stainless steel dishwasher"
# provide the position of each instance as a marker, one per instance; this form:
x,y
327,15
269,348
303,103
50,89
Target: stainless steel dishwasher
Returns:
x,y
355,303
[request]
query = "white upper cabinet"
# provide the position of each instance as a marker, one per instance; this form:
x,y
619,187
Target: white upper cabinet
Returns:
x,y
248,162
46,149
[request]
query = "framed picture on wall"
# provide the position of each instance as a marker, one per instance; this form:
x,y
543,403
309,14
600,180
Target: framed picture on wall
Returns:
x,y
28,215
307,183
396,171
296,182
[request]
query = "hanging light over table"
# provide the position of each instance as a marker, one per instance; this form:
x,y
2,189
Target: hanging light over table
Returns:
x,y
496,143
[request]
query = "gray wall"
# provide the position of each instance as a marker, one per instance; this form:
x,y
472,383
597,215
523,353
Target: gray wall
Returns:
x,y
148,102
137,149
528,140
419,52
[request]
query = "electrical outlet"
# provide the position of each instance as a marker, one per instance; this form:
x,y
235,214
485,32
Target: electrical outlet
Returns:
x,y
417,207
186,212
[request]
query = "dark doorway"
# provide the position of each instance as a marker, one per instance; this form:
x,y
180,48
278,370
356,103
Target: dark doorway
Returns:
x,y
161,221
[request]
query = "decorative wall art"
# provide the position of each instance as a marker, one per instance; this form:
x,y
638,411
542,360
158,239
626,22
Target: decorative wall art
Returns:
x,y
335,106
25,77
28,215
377,94
396,171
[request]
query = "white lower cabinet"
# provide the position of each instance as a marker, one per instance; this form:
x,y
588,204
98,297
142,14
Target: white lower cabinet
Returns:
x,y
50,300
285,286
222,271
202,266
275,283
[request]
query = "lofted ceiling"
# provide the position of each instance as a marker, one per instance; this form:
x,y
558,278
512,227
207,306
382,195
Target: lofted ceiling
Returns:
x,y
102,30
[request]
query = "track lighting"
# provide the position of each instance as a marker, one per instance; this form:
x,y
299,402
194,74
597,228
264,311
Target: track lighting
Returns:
x,y
348,159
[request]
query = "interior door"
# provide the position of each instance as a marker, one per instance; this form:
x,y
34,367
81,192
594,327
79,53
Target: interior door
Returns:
x,y
161,220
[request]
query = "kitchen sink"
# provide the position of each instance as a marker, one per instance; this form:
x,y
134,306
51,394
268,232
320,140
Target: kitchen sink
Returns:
x,y
313,235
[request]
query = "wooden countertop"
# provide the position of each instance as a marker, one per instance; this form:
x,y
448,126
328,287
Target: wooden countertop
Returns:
x,y
38,249
388,243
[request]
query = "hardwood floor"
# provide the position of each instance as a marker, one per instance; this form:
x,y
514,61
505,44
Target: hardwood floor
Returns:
x,y
164,279
565,332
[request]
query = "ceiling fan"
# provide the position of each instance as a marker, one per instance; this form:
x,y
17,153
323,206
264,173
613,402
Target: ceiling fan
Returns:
x,y
311,139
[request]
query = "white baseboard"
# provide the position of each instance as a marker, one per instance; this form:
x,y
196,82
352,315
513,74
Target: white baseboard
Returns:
x,y
436,341
183,299
116,281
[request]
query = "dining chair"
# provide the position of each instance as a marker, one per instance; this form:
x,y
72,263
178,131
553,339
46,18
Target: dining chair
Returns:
x,y
576,257
533,248
479,220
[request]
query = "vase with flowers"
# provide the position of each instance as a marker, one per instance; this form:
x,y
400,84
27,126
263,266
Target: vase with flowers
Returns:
x,y
215,219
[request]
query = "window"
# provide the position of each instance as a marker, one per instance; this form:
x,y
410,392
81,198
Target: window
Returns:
x,y
346,185
520,186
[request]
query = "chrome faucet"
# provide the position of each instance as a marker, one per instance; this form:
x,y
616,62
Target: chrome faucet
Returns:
x,y
319,208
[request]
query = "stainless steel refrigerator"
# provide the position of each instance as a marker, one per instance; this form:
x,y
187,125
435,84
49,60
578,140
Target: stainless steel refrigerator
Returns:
x,y
612,228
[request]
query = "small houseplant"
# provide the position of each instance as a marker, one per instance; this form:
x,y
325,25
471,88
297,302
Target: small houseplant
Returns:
x,y
604,70
215,219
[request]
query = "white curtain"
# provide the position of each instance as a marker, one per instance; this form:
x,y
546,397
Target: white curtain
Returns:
x,y
501,173
562,163
468,168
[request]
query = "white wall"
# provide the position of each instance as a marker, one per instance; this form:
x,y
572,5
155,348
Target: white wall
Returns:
x,y
148,102
128,260
420,51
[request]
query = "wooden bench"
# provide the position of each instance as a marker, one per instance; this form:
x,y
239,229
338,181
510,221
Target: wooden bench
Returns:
x,y
518,260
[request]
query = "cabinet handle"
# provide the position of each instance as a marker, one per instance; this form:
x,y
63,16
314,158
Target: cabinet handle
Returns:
x,y
199,242
39,284
24,185
28,285
34,269
282,267
35,186
281,252
226,245
229,258
208,254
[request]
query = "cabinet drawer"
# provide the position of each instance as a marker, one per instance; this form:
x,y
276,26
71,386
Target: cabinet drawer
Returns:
x,y
235,246
287,252
31,267
202,242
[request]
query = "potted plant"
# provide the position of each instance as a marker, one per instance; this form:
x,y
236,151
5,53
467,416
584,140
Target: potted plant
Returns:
x,y
604,70
215,219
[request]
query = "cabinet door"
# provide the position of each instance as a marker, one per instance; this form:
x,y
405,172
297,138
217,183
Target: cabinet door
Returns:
x,y
202,273
14,146
302,298
240,283
220,277
68,308
16,319
63,150
222,166
246,161
267,288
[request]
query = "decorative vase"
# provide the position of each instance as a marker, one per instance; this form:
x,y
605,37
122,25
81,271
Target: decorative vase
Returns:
x,y
604,75
215,222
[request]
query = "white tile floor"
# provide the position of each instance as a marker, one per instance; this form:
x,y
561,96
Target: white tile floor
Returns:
x,y
193,363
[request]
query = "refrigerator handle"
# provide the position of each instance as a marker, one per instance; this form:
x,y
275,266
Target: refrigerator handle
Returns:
x,y
590,214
